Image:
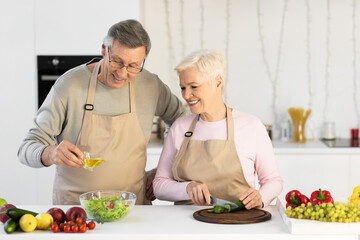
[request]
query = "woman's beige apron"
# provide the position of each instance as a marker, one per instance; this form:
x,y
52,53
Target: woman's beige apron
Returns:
x,y
119,140
212,162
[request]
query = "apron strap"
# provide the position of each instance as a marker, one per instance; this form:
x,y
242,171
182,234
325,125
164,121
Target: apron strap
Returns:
x,y
132,97
89,106
188,135
230,124
183,148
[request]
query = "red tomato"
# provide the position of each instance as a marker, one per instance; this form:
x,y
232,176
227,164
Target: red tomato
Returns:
x,y
54,228
75,228
61,227
71,223
67,228
83,228
78,220
91,225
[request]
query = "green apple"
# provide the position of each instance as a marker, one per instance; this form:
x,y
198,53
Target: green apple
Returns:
x,y
2,202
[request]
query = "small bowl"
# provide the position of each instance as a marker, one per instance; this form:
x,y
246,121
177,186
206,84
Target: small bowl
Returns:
x,y
107,206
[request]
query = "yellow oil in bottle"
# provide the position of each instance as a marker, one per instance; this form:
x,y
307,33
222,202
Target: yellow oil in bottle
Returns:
x,y
93,162
90,163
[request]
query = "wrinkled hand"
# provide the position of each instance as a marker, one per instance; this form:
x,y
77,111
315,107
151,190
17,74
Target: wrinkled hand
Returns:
x,y
251,199
198,193
64,154
149,185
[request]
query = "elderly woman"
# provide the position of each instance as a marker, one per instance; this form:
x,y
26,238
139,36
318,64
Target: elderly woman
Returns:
x,y
217,150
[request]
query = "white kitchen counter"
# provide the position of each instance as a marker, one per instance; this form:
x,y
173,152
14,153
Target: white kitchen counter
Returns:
x,y
174,222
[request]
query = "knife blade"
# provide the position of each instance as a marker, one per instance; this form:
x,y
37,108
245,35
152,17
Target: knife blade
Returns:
x,y
221,202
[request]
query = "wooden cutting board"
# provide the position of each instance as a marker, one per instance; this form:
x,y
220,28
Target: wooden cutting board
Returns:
x,y
238,217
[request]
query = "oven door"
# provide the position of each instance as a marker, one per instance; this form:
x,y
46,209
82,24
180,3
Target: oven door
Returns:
x,y
50,68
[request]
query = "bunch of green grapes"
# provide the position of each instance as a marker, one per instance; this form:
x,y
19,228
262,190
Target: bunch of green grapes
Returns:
x,y
326,212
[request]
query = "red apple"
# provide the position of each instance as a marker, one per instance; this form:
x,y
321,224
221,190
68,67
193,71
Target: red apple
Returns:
x,y
57,214
3,216
75,212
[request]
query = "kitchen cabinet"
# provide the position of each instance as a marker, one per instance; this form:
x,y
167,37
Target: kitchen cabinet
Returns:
x,y
313,165
177,222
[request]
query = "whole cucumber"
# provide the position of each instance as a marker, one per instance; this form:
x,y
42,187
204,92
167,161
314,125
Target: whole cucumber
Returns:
x,y
10,225
17,213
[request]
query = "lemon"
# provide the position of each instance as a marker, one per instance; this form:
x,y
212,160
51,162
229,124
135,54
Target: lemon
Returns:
x,y
27,223
2,202
44,221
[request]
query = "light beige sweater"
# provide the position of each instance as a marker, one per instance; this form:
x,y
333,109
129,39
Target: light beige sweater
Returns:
x,y
61,115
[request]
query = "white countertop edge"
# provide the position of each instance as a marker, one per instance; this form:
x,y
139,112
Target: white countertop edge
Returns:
x,y
312,151
281,147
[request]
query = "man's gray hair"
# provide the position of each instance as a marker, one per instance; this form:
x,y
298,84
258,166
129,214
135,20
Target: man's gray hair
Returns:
x,y
129,33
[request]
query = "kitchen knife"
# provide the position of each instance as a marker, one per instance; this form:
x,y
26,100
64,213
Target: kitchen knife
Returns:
x,y
221,202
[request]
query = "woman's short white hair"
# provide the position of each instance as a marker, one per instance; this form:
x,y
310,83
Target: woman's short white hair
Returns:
x,y
208,62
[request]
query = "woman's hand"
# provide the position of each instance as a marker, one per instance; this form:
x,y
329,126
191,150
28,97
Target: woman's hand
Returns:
x,y
198,193
64,154
251,199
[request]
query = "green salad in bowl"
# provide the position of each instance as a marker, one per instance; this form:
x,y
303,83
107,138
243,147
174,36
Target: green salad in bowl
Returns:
x,y
107,206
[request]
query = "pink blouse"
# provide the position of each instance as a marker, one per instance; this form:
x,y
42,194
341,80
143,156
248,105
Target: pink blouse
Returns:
x,y
253,146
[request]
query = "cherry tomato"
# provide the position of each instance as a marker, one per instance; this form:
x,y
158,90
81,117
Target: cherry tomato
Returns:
x,y
54,228
71,223
75,228
83,228
67,228
61,227
91,225
78,220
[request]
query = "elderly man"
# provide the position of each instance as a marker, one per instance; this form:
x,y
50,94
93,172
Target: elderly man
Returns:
x,y
105,107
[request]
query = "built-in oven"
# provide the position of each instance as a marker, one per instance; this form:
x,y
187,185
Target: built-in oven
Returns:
x,y
51,67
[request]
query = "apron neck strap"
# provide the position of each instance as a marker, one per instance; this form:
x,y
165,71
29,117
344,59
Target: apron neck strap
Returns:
x,y
230,129
89,106
92,86
132,97
230,123
229,120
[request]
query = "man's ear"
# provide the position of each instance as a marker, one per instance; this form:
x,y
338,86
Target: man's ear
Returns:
x,y
103,50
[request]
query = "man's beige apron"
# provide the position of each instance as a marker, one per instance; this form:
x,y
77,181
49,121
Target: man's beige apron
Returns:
x,y
119,140
212,162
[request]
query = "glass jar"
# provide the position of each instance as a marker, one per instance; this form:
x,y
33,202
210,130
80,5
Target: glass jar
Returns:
x,y
329,132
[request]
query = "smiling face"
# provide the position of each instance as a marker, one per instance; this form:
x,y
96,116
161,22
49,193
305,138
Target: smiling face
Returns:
x,y
116,77
203,96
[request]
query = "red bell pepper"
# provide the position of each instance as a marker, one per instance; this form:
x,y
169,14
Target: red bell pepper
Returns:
x,y
321,196
294,198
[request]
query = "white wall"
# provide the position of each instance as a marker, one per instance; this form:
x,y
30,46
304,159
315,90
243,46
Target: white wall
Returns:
x,y
17,97
249,88
29,28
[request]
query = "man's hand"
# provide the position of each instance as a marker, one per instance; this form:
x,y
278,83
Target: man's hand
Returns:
x,y
251,199
149,185
198,193
64,154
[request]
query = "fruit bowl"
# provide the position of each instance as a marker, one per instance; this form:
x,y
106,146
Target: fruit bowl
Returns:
x,y
107,206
